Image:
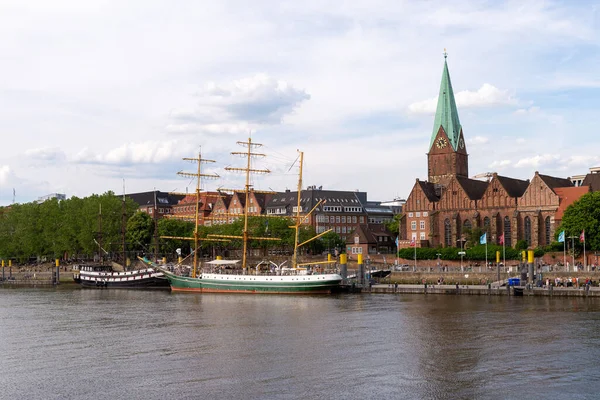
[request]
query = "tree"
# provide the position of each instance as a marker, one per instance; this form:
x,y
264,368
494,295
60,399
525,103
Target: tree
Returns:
x,y
583,214
331,241
140,229
394,225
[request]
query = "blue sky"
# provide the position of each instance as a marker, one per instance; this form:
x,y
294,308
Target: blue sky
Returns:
x,y
96,92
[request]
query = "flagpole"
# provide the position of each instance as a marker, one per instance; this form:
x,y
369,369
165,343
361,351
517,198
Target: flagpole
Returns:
x,y
486,264
504,252
565,254
584,259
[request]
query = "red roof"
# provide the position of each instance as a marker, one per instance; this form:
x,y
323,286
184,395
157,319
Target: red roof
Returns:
x,y
567,196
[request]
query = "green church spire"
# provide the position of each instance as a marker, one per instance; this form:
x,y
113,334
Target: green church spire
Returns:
x,y
446,114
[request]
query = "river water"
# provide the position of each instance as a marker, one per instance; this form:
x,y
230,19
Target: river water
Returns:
x,y
115,344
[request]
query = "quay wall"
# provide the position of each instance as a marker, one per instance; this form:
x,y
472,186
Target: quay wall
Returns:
x,y
486,290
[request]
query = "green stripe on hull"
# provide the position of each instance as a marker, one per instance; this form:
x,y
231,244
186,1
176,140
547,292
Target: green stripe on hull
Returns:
x,y
187,284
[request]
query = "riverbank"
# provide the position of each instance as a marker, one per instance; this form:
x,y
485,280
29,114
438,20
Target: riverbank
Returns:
x,y
487,290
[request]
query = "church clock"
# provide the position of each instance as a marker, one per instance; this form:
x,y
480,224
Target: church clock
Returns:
x,y
441,143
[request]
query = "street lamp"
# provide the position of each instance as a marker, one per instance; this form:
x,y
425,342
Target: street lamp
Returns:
x,y
462,253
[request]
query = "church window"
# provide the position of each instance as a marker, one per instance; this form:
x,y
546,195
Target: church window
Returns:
x,y
507,236
547,223
528,231
486,224
467,225
447,233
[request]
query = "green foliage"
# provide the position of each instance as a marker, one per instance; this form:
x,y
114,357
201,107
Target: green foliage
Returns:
x,y
330,241
140,230
583,214
476,253
66,228
472,236
521,245
394,224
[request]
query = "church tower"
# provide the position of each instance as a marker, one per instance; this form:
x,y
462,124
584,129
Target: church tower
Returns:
x,y
447,155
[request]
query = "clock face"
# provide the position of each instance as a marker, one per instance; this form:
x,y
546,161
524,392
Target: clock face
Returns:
x,y
441,143
461,143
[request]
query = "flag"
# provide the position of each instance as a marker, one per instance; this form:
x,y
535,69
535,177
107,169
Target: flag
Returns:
x,y
561,237
412,242
483,239
501,239
396,241
582,236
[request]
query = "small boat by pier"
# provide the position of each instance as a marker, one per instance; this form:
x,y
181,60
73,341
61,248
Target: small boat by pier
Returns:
x,y
103,276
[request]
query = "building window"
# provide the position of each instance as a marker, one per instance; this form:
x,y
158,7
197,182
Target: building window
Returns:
x,y
528,231
422,236
327,218
418,214
354,219
467,225
507,236
343,219
547,223
425,213
343,229
362,219
337,229
486,224
447,233
337,219
410,215
413,225
421,224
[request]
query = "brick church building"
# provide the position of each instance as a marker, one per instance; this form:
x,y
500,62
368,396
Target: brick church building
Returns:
x,y
439,210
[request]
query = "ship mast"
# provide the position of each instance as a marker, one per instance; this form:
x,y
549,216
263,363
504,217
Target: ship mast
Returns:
x,y
249,154
300,220
198,175
297,226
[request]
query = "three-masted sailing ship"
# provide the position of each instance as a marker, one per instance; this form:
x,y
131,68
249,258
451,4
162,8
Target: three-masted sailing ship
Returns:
x,y
295,280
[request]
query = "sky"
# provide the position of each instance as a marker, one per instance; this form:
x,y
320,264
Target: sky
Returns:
x,y
102,95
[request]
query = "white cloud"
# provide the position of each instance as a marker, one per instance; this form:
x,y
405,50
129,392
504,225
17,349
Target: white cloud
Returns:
x,y
538,160
487,96
526,111
501,164
48,154
5,174
520,140
478,140
238,106
150,152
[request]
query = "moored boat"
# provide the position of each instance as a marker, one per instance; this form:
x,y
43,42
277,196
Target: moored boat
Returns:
x,y
103,276
294,280
279,281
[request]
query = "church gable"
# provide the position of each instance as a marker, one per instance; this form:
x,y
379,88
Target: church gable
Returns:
x,y
454,197
502,193
539,194
418,199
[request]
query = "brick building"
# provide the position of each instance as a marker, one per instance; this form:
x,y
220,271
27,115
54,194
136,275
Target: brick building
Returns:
x,y
438,211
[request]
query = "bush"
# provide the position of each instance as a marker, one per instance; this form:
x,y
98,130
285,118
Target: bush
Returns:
x,y
473,253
